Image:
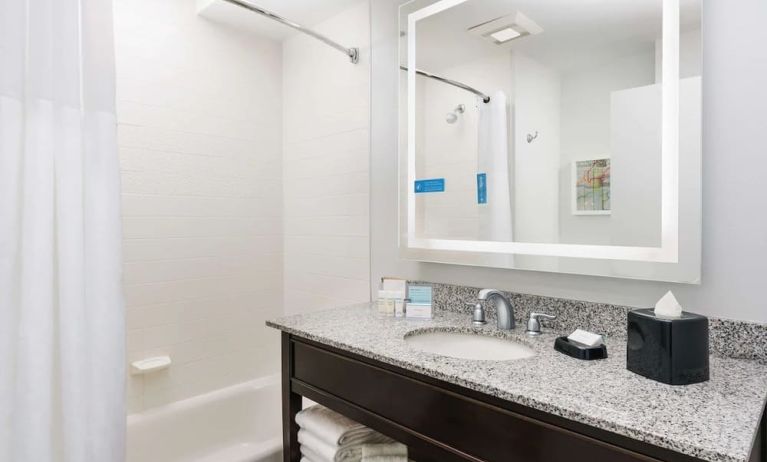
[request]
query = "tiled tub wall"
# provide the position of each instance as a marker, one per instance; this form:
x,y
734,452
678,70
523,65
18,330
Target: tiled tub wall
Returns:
x,y
200,151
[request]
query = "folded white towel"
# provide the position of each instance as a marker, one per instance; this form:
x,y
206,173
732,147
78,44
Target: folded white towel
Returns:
x,y
327,452
320,451
385,459
311,456
397,450
337,429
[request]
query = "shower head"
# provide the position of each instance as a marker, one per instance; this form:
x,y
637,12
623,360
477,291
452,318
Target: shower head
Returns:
x,y
452,117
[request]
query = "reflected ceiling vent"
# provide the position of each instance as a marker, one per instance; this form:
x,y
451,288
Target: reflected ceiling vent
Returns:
x,y
507,28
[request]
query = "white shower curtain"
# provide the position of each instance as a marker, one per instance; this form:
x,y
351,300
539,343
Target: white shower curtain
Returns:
x,y
61,310
495,221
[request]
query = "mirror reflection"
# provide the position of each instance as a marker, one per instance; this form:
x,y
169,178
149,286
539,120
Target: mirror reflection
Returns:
x,y
541,122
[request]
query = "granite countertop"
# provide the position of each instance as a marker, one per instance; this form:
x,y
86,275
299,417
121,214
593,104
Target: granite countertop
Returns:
x,y
714,421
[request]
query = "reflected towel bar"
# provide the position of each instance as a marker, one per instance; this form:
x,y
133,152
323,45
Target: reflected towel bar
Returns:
x,y
454,83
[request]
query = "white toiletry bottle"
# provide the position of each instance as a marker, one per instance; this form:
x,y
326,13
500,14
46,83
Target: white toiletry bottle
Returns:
x,y
399,307
385,302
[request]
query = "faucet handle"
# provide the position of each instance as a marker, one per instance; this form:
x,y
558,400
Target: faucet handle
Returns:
x,y
478,316
534,323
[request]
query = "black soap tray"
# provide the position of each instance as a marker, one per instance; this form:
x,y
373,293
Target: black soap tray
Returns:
x,y
580,351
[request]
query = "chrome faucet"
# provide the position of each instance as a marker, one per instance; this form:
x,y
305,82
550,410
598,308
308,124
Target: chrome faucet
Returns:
x,y
503,307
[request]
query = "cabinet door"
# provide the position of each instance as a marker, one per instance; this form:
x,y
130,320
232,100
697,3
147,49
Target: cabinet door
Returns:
x,y
473,429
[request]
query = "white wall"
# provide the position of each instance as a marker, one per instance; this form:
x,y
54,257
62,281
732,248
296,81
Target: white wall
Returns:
x,y
199,135
537,95
585,134
690,58
326,140
636,164
735,132
535,186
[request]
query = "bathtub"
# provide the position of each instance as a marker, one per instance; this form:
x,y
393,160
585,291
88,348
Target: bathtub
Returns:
x,y
240,423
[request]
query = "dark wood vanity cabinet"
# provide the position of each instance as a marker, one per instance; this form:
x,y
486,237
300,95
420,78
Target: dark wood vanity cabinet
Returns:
x,y
442,422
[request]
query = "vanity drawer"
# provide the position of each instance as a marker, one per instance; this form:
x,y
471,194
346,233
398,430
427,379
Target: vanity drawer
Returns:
x,y
469,428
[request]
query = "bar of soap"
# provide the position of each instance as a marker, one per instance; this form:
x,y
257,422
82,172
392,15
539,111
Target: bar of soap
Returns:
x,y
586,338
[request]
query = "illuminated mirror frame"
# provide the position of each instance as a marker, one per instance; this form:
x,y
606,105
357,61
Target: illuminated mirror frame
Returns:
x,y
668,252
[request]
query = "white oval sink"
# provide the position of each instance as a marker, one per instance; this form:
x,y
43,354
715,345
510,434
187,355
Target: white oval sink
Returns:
x,y
469,346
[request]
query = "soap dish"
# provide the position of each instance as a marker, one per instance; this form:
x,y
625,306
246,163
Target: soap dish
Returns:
x,y
580,351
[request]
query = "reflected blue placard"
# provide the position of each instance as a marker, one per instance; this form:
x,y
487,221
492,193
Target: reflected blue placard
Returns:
x,y
430,186
481,188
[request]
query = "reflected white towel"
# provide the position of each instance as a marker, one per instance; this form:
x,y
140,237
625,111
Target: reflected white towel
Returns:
x,y
320,451
337,429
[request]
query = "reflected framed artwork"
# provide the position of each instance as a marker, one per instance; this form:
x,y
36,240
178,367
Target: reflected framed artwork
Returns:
x,y
591,187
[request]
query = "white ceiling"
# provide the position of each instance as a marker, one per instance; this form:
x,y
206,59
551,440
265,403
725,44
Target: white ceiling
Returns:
x,y
305,12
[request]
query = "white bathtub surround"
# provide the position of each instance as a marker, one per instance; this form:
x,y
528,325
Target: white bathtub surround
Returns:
x,y
199,112
220,218
234,424
326,436
61,309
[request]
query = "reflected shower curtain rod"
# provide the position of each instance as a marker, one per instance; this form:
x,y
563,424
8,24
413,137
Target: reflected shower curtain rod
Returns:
x,y
352,53
454,83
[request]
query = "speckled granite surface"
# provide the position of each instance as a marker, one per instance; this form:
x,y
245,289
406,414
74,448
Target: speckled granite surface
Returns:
x,y
734,339
738,339
714,421
608,320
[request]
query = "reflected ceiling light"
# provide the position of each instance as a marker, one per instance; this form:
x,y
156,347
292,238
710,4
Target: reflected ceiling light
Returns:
x,y
506,28
506,34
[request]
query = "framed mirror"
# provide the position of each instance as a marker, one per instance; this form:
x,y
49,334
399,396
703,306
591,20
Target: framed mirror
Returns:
x,y
552,135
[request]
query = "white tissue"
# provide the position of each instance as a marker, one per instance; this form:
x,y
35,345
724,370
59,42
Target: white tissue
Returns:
x,y
668,307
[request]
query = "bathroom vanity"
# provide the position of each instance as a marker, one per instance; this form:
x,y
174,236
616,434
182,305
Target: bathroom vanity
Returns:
x,y
545,408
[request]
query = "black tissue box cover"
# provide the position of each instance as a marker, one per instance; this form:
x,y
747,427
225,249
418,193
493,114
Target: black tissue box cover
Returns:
x,y
672,351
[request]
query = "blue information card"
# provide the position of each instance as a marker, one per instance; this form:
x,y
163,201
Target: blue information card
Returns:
x,y
481,188
430,186
419,294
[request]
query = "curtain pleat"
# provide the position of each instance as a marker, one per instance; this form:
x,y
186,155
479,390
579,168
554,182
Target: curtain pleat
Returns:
x,y
61,310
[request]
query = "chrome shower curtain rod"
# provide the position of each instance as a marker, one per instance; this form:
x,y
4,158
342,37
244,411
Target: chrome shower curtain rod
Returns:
x,y
454,83
352,53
